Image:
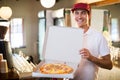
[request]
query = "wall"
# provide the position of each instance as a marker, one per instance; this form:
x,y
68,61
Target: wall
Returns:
x,y
28,10
114,9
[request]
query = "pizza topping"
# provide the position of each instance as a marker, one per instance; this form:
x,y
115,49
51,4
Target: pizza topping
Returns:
x,y
55,68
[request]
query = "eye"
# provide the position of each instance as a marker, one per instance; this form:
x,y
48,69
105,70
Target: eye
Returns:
x,y
84,12
80,12
76,12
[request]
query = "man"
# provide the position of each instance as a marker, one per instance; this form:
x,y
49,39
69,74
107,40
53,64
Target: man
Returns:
x,y
95,52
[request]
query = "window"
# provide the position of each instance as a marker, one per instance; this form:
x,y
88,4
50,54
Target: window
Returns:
x,y
115,34
16,32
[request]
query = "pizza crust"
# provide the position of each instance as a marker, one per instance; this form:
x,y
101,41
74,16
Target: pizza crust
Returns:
x,y
55,68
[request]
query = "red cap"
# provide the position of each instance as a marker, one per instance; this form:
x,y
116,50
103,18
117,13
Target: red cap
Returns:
x,y
83,6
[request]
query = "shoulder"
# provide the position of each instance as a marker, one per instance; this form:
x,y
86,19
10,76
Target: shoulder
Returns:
x,y
95,32
97,35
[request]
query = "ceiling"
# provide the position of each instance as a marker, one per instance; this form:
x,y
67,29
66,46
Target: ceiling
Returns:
x,y
94,2
104,2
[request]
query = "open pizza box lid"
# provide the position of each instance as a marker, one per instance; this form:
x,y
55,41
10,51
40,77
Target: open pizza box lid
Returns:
x,y
61,44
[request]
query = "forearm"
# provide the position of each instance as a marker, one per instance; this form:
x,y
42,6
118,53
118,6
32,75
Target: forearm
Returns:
x,y
102,62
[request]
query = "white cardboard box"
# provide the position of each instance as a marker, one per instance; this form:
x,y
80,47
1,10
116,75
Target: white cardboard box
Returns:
x,y
62,44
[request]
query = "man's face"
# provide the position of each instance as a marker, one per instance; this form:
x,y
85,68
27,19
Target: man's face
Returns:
x,y
82,18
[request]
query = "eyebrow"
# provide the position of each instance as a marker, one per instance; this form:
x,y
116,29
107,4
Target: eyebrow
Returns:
x,y
82,10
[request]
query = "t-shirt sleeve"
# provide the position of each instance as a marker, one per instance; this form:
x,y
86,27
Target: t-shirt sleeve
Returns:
x,y
103,48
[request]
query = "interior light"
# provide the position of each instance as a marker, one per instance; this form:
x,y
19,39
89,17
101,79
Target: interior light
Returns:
x,y
47,3
5,12
89,1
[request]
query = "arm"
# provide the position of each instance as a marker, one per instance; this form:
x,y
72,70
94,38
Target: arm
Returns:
x,y
104,61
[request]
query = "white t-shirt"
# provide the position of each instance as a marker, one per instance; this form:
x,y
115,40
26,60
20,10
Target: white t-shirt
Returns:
x,y
95,42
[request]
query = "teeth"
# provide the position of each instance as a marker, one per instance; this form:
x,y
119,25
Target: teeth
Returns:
x,y
79,21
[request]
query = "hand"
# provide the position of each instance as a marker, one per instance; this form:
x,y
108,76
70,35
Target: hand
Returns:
x,y
104,61
85,53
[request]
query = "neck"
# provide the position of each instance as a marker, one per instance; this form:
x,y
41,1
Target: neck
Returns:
x,y
86,29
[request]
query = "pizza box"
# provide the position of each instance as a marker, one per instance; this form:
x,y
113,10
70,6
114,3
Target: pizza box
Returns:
x,y
61,45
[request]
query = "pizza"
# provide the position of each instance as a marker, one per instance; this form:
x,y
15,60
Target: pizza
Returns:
x,y
55,68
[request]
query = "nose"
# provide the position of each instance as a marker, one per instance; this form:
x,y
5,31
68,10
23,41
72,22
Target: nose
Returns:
x,y
79,15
